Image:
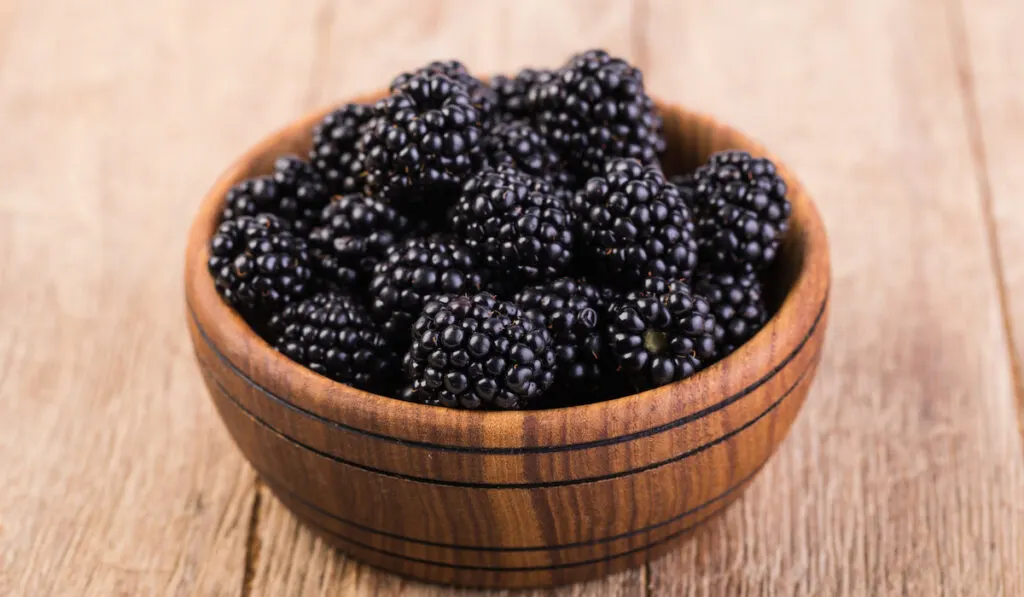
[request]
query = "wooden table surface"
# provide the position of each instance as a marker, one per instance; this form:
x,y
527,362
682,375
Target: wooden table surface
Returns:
x,y
904,474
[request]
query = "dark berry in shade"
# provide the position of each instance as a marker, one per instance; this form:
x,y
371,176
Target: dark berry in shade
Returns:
x,y
294,192
332,334
513,93
482,95
633,225
478,352
742,211
354,233
423,143
517,224
517,143
738,306
334,154
573,311
595,109
656,338
258,265
413,271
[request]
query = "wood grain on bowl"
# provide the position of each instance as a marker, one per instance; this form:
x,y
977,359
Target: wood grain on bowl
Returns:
x,y
510,499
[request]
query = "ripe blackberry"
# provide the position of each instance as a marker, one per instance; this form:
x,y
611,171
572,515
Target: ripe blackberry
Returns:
x,y
742,211
661,337
516,223
333,335
482,95
595,109
424,141
513,93
737,303
478,352
257,265
634,224
410,273
517,143
572,311
353,235
294,192
334,153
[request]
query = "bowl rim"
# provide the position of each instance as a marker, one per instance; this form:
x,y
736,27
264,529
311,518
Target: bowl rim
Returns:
x,y
321,394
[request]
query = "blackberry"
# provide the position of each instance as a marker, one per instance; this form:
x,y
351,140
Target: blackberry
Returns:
x,y
595,109
333,335
516,223
478,352
660,337
633,224
737,304
513,93
742,211
294,192
354,233
413,271
257,265
334,153
517,143
423,142
482,95
572,311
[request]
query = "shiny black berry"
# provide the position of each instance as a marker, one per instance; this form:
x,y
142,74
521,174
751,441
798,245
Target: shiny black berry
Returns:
x,y
659,337
517,143
411,273
483,97
634,225
517,224
257,265
332,334
478,352
513,93
737,302
334,154
354,233
294,192
595,109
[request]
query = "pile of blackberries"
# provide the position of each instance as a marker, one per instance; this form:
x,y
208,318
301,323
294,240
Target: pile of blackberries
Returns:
x,y
502,245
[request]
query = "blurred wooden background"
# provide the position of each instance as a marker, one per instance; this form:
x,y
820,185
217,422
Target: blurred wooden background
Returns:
x,y
904,475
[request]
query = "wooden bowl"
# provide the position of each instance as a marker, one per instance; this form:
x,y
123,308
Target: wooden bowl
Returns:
x,y
514,499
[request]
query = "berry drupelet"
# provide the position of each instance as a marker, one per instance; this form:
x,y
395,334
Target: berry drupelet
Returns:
x,y
634,225
737,304
660,337
517,143
595,109
334,154
410,273
477,352
424,142
333,335
516,223
742,211
353,235
257,265
294,192
572,310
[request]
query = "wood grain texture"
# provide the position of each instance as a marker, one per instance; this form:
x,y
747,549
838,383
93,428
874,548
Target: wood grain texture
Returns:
x,y
905,470
989,46
117,479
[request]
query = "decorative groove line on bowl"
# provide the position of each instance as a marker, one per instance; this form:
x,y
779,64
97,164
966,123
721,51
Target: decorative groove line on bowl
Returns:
x,y
477,485
279,487
559,566
527,449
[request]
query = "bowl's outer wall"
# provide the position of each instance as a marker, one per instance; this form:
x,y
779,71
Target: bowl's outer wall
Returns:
x,y
523,498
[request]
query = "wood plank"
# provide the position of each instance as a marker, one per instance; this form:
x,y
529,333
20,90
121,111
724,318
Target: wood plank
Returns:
x,y
993,83
118,477
488,37
904,472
